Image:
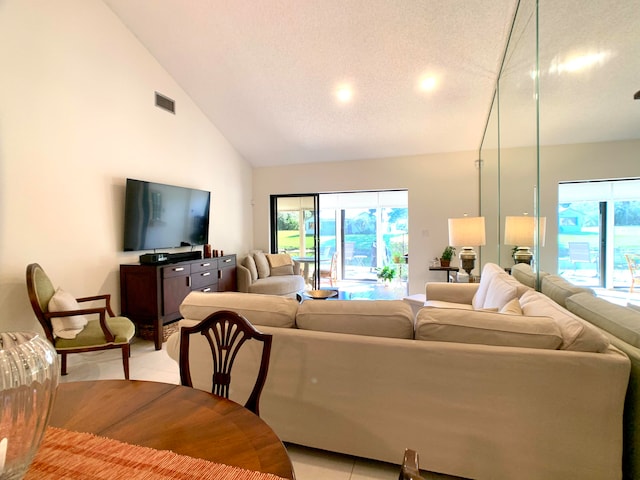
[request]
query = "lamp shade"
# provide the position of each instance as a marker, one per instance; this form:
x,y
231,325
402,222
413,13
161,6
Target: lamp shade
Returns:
x,y
466,231
520,231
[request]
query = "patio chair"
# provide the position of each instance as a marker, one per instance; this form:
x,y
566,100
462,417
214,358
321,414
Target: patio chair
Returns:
x,y
633,260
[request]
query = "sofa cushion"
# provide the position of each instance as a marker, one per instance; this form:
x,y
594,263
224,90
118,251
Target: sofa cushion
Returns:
x,y
489,271
250,263
269,310
377,318
486,328
525,274
620,321
262,264
558,289
577,334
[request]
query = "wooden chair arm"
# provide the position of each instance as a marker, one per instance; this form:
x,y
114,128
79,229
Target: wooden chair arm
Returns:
x,y
101,311
107,301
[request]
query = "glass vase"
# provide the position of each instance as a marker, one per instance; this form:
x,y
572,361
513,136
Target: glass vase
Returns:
x,y
28,381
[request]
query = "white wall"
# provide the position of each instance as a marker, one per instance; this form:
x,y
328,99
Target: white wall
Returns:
x,y
77,117
439,186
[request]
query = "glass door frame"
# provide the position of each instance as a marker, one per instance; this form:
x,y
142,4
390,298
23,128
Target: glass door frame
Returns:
x,y
315,279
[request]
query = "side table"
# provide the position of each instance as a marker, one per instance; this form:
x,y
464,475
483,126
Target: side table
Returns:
x,y
445,269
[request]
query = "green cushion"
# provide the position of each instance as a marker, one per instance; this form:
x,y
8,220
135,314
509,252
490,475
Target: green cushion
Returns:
x,y
92,334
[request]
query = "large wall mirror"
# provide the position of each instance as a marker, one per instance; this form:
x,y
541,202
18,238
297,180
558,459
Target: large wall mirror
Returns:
x,y
563,111
509,153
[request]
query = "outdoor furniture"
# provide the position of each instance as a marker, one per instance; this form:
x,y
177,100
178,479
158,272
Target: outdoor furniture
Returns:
x,y
633,260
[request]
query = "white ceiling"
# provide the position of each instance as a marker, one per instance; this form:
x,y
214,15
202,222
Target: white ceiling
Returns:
x,y
266,71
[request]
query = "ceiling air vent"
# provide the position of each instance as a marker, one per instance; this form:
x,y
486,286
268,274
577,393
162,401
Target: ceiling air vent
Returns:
x,y
165,103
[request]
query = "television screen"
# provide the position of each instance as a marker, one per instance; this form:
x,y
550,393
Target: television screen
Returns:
x,y
164,216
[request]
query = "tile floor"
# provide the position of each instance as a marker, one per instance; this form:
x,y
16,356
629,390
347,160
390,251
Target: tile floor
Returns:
x,y
146,363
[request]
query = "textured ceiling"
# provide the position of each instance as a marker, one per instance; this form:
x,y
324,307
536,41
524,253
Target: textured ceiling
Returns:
x,y
266,72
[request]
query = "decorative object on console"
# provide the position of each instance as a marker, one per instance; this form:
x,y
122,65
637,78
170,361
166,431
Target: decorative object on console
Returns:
x,y
464,232
447,255
520,231
28,381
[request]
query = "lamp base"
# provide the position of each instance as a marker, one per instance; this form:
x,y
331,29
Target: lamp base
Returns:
x,y
468,259
523,255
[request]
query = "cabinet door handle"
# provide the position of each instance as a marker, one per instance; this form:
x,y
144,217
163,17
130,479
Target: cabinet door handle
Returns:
x,y
206,274
205,264
227,260
189,281
178,269
205,290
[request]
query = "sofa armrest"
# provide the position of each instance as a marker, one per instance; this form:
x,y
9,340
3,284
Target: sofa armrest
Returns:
x,y
244,278
451,292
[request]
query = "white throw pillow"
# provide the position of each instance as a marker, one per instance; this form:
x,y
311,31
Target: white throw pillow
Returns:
x,y
66,327
489,271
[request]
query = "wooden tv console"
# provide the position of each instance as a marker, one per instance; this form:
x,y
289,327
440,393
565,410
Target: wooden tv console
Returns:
x,y
151,295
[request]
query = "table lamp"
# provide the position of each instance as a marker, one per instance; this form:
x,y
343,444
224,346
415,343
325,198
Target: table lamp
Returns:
x,y
463,232
520,231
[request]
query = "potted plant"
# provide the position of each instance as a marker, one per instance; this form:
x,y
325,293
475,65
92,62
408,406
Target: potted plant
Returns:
x,y
386,273
447,255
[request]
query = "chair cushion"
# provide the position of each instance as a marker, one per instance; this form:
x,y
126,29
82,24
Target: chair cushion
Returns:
x,y
487,328
66,327
377,318
92,335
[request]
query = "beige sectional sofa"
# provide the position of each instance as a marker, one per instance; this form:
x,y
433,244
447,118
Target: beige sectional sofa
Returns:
x,y
621,325
271,274
497,398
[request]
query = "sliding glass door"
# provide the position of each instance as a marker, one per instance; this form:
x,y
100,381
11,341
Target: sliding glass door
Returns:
x,y
295,230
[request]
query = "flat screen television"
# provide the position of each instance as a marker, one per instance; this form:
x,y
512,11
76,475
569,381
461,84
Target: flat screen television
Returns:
x,y
159,216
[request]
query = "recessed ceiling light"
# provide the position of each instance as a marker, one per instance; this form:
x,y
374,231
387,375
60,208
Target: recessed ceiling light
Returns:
x,y
344,93
428,83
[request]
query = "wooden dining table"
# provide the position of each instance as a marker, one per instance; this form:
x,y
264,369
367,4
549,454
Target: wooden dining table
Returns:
x,y
171,417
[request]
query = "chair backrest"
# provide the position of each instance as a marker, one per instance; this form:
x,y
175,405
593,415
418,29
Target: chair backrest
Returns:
x,y
633,261
410,469
579,252
226,332
40,290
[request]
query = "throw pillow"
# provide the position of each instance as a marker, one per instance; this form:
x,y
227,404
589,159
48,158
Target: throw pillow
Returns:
x,y
66,327
489,271
501,291
512,308
280,264
578,334
250,263
262,264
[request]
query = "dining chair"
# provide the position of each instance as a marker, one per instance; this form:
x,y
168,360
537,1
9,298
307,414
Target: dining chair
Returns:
x,y
410,469
105,332
226,332
633,261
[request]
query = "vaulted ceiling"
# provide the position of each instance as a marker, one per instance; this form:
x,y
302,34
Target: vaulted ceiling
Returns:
x,y
295,81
